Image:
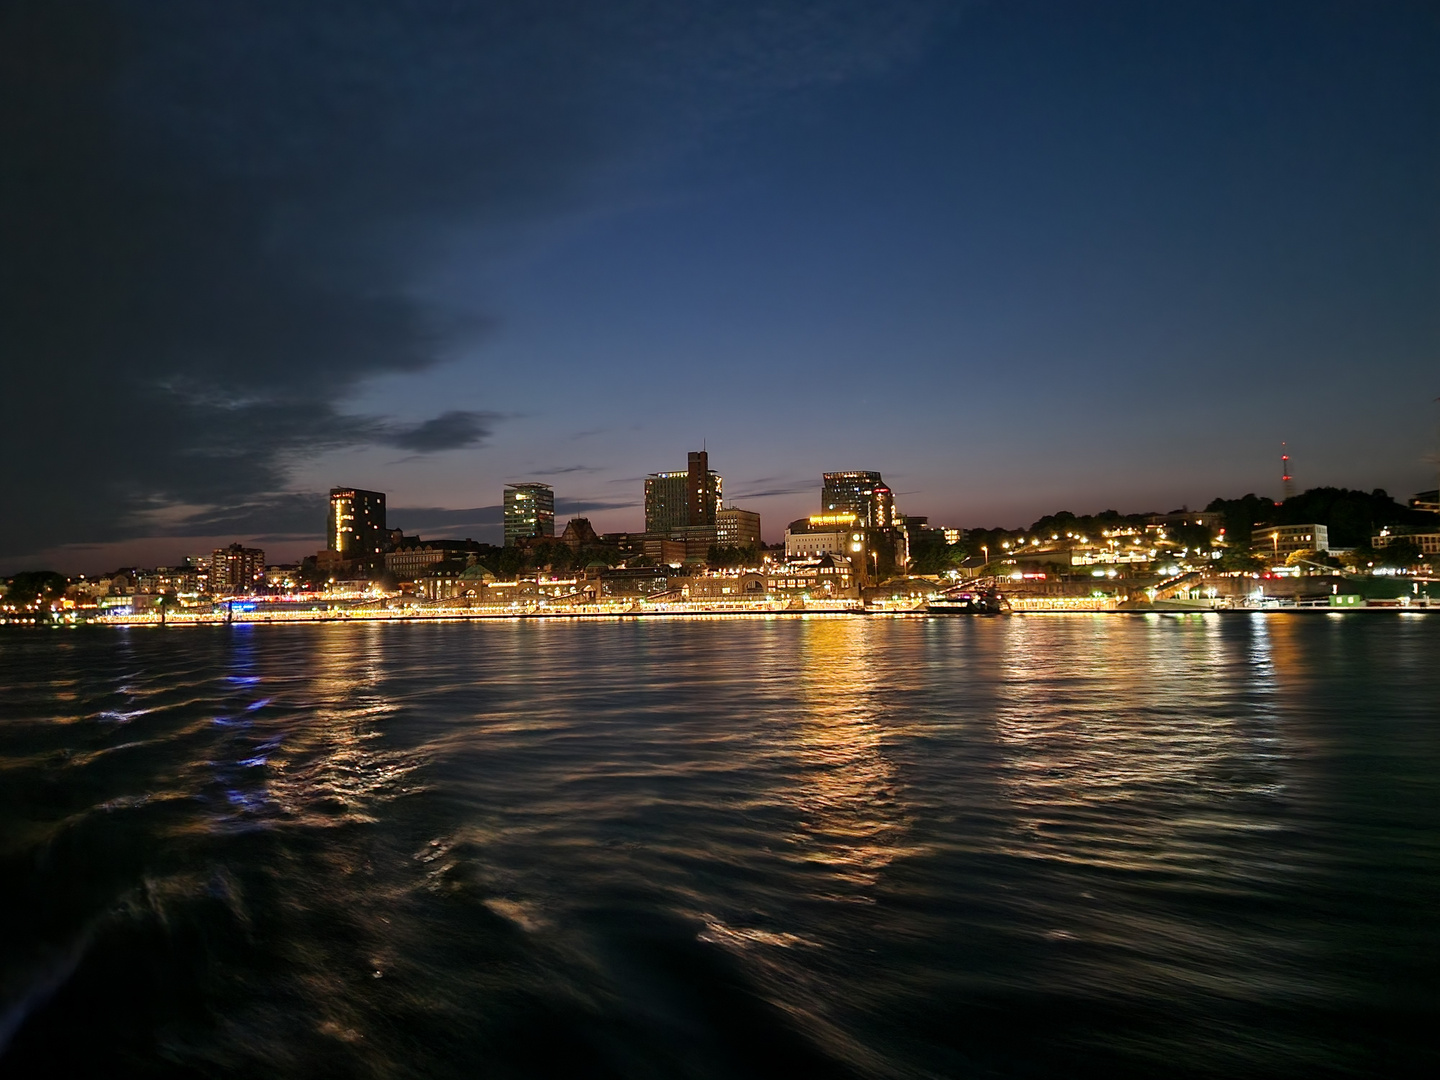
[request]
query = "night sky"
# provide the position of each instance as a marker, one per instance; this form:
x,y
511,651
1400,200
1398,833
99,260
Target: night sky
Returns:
x,y
1018,257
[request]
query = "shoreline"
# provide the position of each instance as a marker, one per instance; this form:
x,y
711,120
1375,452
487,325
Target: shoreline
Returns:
x,y
269,618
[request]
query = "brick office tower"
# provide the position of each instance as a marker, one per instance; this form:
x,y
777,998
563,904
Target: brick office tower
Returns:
x,y
702,489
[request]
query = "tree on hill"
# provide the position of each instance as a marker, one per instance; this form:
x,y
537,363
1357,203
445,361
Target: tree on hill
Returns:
x,y
1241,517
934,556
1089,525
987,543
1400,552
30,586
1351,517
1191,537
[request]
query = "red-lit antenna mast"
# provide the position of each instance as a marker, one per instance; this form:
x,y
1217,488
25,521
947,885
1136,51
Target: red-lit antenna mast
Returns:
x,y
1286,483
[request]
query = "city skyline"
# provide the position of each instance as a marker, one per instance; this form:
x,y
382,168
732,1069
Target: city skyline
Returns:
x,y
488,524
1019,257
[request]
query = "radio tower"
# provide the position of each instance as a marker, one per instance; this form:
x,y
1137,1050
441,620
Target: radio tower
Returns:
x,y
1286,483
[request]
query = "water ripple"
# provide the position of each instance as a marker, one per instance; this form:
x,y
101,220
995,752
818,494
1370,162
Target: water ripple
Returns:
x,y
709,848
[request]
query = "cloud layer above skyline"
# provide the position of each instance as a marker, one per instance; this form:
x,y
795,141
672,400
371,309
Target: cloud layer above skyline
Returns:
x,y
1015,256
214,215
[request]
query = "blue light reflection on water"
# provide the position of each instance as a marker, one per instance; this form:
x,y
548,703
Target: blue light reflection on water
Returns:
x,y
719,848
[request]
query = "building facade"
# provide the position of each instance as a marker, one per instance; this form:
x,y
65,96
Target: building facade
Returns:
x,y
747,585
409,562
861,493
235,570
635,581
737,528
579,533
826,534
1283,540
529,512
666,502
678,500
827,577
1427,542
356,529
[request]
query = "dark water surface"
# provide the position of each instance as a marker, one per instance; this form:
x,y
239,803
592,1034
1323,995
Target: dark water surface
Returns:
x,y
1036,846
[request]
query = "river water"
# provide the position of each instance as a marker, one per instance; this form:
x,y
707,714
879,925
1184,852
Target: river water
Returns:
x,y
821,846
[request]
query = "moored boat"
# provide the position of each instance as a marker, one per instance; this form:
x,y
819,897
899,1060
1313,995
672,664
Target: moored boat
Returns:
x,y
970,602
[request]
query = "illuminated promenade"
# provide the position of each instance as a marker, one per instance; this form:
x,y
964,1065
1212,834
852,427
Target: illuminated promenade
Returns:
x,y
761,609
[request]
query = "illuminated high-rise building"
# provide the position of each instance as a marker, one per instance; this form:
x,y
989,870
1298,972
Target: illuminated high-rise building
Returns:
x,y
682,500
235,569
529,512
863,494
356,529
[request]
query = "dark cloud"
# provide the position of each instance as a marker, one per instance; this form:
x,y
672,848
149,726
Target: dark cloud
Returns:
x,y
421,519
212,217
292,514
448,431
208,216
563,469
759,491
586,506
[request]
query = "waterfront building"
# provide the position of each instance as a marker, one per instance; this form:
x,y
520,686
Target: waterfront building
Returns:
x,y
182,581
440,582
826,577
826,534
677,500
746,585
356,527
859,492
1427,542
1282,540
235,569
737,528
635,581
408,562
1426,500
529,512
535,588
452,580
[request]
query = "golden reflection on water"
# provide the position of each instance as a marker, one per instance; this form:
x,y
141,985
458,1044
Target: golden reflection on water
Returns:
x,y
338,765
850,817
1134,750
328,769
